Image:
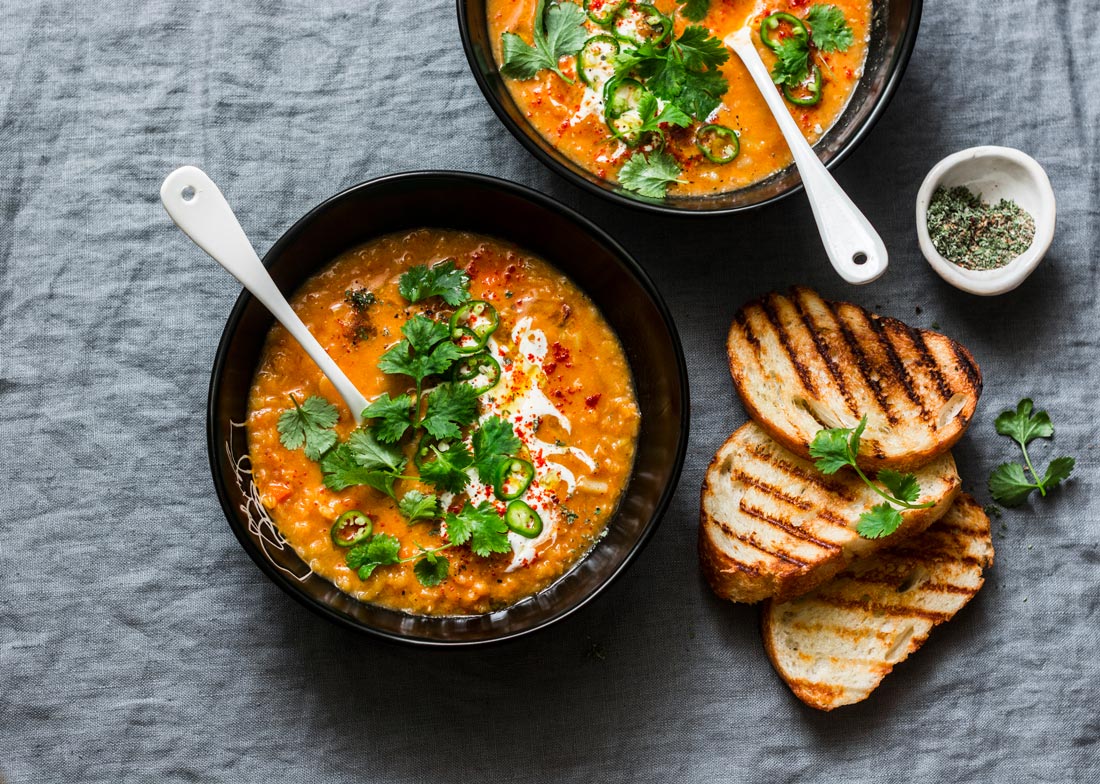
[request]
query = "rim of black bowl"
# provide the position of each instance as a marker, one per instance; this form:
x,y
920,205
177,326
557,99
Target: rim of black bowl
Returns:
x,y
242,302
904,52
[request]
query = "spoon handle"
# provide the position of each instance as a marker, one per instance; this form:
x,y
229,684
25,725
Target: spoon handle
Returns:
x,y
196,205
854,247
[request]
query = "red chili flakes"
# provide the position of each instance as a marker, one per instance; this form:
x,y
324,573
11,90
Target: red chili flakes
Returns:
x,y
592,400
559,356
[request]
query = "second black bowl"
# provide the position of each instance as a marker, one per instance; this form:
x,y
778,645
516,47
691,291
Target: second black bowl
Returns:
x,y
595,262
893,33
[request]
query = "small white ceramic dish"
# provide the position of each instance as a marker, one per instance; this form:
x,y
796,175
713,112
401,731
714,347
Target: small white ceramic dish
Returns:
x,y
996,173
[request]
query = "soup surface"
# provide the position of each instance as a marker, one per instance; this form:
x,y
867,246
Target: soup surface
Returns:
x,y
564,391
575,117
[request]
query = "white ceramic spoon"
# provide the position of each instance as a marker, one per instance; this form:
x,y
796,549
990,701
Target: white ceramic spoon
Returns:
x,y
197,206
854,247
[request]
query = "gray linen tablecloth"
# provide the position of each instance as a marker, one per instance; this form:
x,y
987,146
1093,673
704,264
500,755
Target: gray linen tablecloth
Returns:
x,y
139,643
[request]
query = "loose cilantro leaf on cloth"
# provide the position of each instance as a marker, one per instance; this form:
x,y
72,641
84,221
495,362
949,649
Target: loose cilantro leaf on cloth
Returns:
x,y
881,521
443,280
836,448
649,175
309,424
829,29
479,526
341,471
431,570
415,506
451,406
695,10
392,417
447,469
558,31
1009,484
494,441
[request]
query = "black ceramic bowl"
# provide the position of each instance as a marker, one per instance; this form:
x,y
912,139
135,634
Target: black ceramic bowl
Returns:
x,y
574,245
893,32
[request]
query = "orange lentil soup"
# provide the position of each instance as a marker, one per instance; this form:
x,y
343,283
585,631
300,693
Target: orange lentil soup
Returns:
x,y
572,116
564,387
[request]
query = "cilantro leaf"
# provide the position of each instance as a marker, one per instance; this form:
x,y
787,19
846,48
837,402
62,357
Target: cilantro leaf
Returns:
x,y
447,470
371,454
402,359
310,424
480,526
699,49
1022,426
450,407
829,449
379,550
695,10
423,333
1009,486
829,29
881,521
415,505
558,31
494,441
392,417
792,64
649,176
651,121
431,570
903,486
340,471
1059,469
443,280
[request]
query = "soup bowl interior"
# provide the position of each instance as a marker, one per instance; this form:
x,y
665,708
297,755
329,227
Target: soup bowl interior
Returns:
x,y
894,26
600,267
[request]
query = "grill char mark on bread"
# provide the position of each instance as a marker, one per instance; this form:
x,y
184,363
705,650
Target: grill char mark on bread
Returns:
x,y
771,525
834,645
801,364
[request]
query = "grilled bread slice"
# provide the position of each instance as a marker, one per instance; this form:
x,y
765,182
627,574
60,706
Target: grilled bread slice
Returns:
x,y
772,525
836,644
801,364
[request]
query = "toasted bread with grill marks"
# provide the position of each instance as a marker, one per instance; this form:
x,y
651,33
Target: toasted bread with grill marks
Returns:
x,y
801,364
772,525
835,645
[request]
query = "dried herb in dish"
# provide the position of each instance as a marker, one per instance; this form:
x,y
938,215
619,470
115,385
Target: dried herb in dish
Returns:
x,y
975,235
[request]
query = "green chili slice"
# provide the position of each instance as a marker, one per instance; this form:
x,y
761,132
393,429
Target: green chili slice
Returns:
x,y
472,324
522,519
812,92
351,528
514,476
602,12
641,23
621,96
718,143
480,370
771,25
595,59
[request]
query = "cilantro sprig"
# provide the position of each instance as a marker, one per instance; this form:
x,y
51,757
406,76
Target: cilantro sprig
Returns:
x,y
650,175
437,419
695,10
559,31
309,426
836,448
829,32
1009,483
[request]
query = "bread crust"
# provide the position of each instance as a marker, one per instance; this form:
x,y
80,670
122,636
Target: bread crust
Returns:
x,y
861,611
801,364
778,545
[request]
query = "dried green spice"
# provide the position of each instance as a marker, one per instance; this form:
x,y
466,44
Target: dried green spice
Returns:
x,y
975,235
